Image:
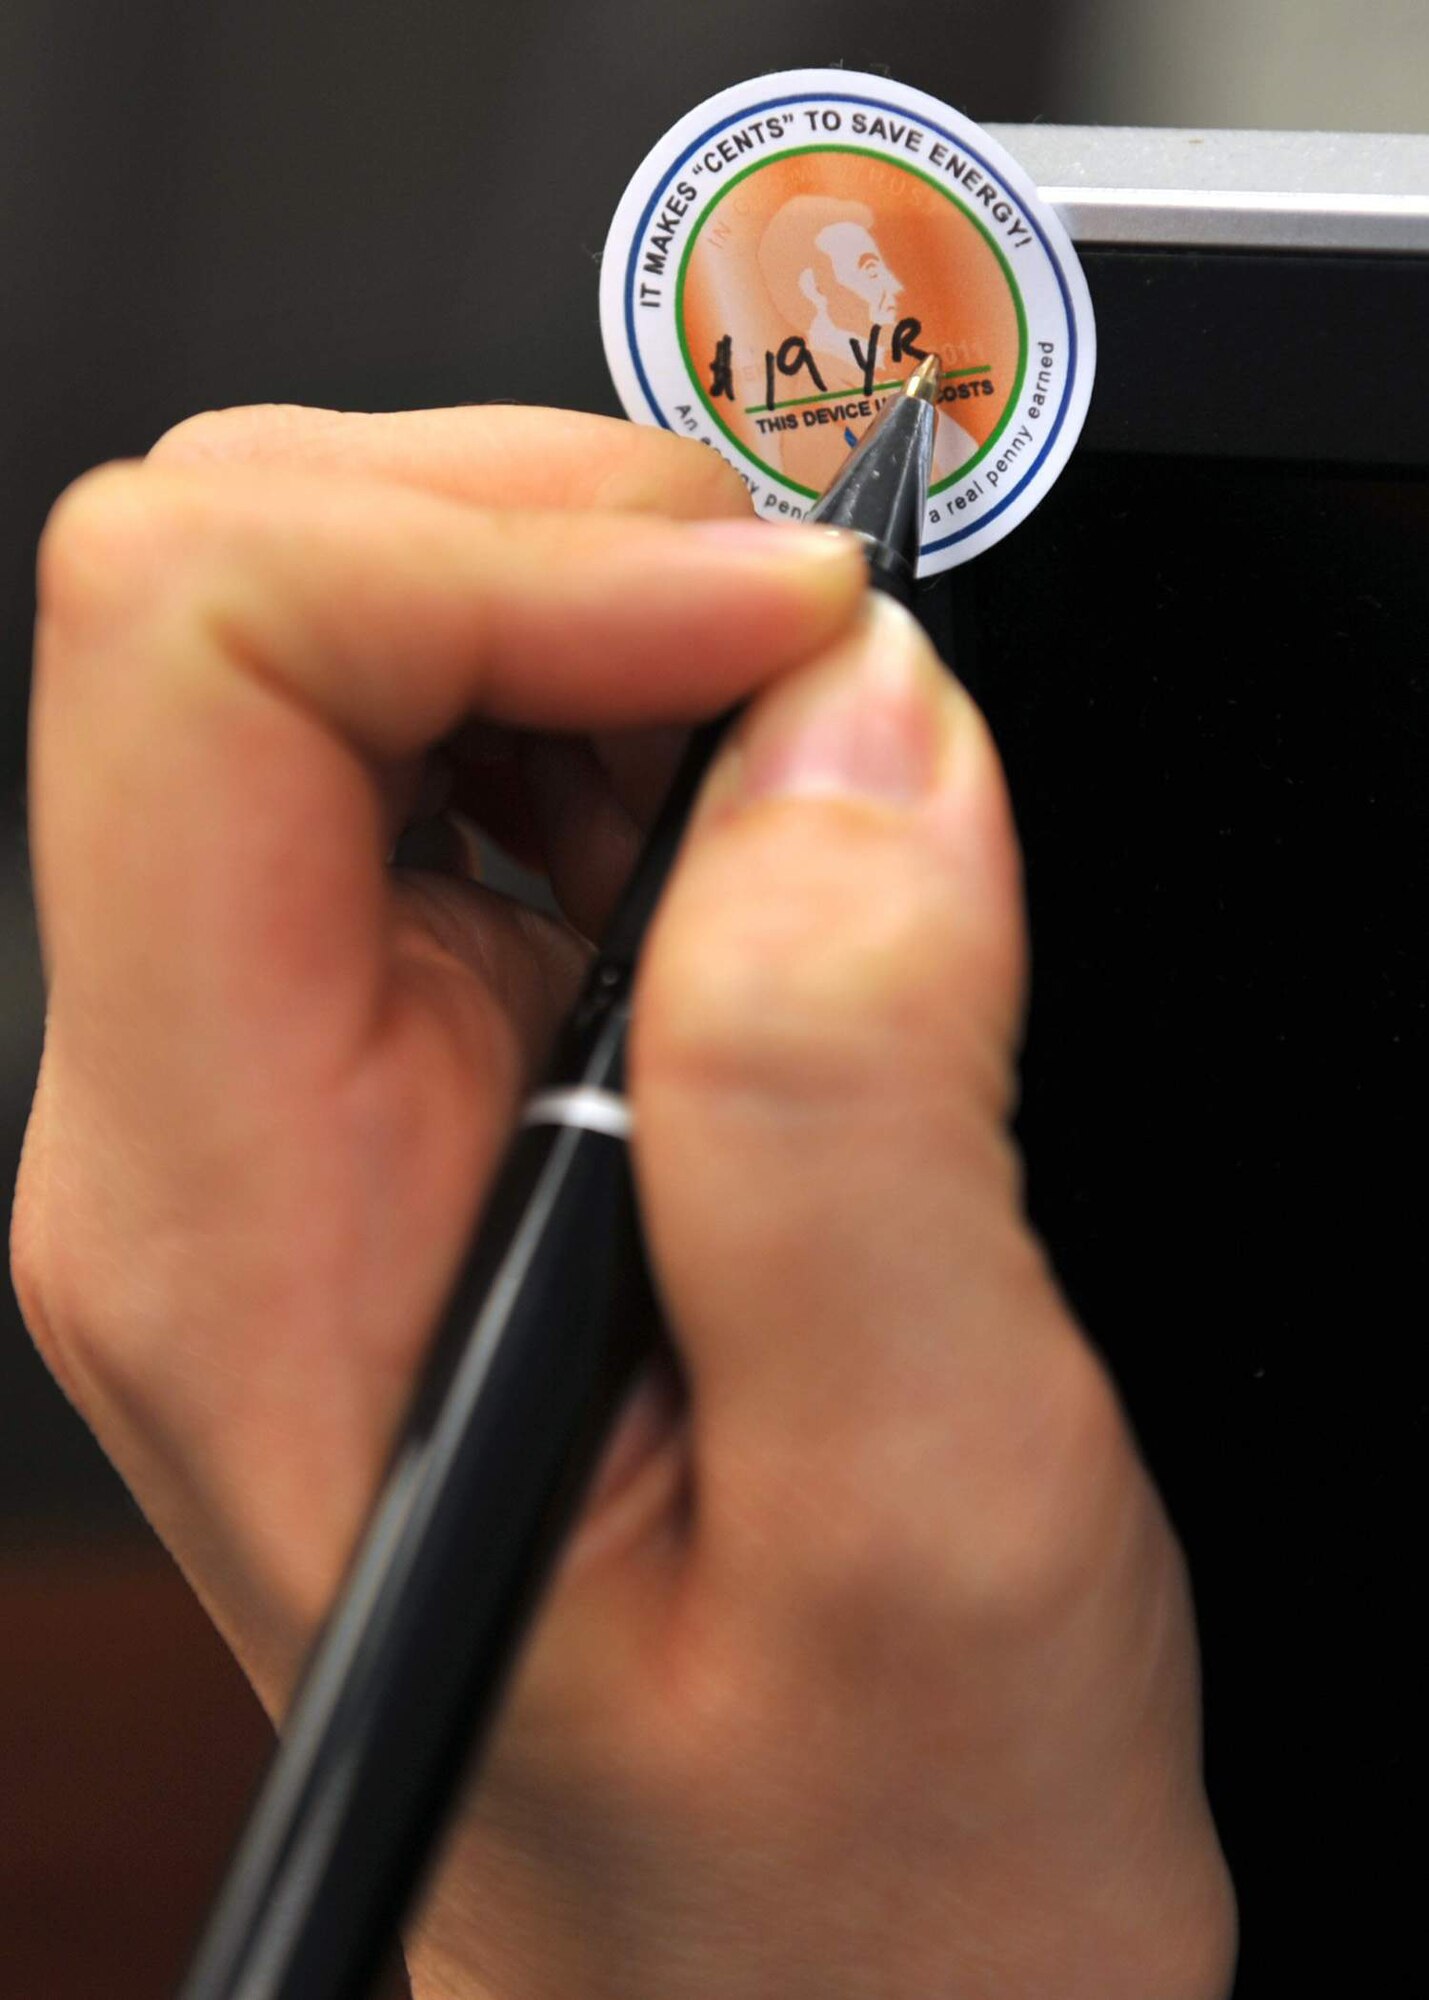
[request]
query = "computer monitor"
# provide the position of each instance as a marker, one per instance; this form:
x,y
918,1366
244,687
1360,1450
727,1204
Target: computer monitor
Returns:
x,y
1205,661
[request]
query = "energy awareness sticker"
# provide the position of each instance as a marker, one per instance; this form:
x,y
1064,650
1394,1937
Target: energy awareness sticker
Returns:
x,y
787,255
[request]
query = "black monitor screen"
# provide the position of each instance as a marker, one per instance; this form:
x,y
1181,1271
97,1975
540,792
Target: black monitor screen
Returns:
x,y
1208,680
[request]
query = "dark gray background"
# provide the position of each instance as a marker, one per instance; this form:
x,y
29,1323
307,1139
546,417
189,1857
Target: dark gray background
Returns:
x,y
367,207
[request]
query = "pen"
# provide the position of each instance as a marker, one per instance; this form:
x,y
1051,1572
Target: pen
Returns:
x,y
545,1326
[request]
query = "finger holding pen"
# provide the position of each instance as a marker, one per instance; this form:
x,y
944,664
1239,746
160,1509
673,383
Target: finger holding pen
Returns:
x,y
281,1073
572,804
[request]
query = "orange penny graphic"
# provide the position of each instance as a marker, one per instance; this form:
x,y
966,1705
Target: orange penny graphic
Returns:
x,y
794,247
816,282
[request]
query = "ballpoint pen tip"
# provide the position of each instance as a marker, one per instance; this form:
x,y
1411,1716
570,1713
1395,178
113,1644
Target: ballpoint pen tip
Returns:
x,y
923,382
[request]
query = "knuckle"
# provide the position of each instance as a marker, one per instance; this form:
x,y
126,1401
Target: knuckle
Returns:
x,y
33,1273
1001,1528
670,475
26,1255
711,483
202,436
99,1316
106,539
243,431
1058,1491
96,1308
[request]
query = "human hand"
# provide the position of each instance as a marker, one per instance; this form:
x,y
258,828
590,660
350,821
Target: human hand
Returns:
x,y
871,1669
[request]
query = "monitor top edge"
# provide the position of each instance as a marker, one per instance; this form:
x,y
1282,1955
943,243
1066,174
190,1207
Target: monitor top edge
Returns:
x,y
1131,186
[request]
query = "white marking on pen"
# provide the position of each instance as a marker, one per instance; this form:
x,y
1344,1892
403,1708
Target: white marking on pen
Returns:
x,y
583,1105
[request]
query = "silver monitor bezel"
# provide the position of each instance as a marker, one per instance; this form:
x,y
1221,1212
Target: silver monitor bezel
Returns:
x,y
1134,187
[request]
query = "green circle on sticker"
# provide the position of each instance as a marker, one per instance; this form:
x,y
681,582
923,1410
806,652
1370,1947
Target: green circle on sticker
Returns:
x,y
833,395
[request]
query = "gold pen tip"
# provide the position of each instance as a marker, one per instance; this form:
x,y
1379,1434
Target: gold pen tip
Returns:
x,y
923,381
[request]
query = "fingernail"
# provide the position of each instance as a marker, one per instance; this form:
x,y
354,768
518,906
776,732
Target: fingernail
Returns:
x,y
778,540
870,723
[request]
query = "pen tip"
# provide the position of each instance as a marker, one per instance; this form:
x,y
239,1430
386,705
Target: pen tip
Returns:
x,y
923,382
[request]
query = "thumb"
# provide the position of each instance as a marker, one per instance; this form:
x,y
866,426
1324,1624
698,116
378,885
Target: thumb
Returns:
x,y
822,1070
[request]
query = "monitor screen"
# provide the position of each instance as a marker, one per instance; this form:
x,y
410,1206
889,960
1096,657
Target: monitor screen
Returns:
x,y
1204,660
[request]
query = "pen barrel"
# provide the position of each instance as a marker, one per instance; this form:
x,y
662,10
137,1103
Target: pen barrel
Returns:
x,y
546,1323
881,490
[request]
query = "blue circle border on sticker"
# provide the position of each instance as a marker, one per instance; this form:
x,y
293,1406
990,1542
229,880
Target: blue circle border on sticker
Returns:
x,y
894,110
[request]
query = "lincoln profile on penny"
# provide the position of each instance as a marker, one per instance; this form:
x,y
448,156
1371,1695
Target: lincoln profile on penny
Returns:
x,y
830,281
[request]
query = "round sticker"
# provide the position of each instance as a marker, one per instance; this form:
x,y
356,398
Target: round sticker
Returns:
x,y
790,252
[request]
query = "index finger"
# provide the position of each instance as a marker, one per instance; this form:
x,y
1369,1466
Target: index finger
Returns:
x,y
224,659
395,615
490,455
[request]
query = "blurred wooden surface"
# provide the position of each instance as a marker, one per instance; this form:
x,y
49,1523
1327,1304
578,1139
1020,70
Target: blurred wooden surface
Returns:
x,y
129,1747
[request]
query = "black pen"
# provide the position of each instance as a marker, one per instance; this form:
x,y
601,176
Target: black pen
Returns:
x,y
545,1327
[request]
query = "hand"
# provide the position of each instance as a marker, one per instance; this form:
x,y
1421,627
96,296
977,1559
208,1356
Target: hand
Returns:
x,y
871,1670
